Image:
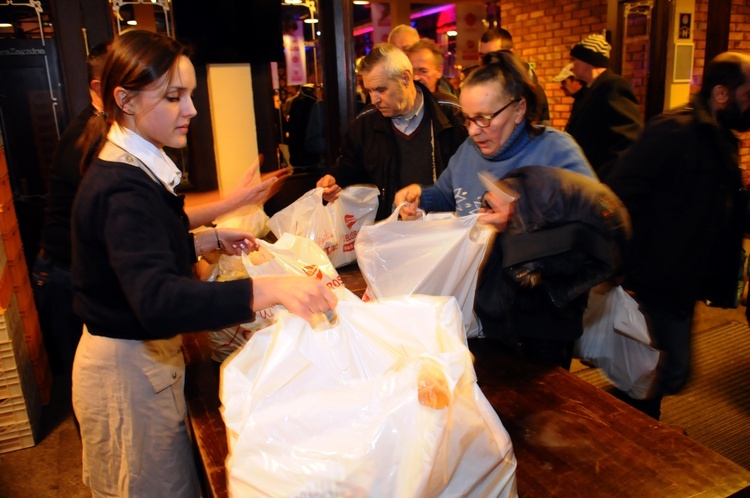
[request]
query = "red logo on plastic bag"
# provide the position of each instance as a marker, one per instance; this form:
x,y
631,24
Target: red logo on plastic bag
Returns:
x,y
350,220
313,271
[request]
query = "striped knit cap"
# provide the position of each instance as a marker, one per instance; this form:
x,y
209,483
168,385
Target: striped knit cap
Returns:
x,y
593,49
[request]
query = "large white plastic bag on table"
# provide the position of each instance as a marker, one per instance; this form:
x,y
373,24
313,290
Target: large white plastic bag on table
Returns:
x,y
290,255
333,226
336,412
616,340
438,255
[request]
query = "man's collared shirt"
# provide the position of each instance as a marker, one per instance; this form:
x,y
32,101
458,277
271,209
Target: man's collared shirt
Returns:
x,y
407,123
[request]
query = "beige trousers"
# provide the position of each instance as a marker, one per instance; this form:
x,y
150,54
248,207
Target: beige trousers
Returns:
x,y
129,399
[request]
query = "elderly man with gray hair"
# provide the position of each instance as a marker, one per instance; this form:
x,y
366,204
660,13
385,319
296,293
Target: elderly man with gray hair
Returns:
x,y
405,135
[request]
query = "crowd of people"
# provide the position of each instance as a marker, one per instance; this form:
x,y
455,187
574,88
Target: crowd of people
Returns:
x,y
119,246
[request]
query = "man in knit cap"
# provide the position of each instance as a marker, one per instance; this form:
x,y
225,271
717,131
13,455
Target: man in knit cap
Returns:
x,y
607,120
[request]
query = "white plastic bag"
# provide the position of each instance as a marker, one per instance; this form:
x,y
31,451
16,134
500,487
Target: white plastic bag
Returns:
x,y
616,340
438,255
251,218
290,255
334,226
337,412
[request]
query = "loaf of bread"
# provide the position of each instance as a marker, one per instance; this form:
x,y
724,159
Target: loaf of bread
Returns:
x,y
432,385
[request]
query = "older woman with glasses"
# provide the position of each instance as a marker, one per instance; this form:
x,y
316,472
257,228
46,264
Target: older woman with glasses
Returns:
x,y
499,103
558,239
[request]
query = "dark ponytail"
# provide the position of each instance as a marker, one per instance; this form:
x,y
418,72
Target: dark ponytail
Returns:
x,y
91,140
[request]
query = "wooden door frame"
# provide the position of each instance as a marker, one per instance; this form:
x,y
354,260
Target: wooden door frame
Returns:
x,y
657,70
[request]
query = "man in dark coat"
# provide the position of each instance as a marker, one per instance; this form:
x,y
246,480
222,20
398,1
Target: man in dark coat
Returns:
x,y
571,86
497,39
682,186
405,135
606,120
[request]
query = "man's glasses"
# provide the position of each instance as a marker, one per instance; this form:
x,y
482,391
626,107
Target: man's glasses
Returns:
x,y
484,120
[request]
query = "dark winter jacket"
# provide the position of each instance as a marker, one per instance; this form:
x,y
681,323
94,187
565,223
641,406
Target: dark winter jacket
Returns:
x,y
682,186
566,234
605,121
369,152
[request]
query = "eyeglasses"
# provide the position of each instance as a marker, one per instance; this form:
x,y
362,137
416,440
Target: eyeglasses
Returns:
x,y
484,120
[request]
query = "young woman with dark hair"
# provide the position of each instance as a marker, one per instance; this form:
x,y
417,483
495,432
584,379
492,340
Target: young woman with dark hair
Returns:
x,y
132,278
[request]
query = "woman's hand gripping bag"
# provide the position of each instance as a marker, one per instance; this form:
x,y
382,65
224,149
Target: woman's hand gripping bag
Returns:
x,y
438,255
383,403
333,226
290,255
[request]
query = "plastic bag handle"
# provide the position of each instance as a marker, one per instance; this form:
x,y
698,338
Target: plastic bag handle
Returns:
x,y
394,214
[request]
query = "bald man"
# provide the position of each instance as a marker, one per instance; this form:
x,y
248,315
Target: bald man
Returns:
x,y
402,36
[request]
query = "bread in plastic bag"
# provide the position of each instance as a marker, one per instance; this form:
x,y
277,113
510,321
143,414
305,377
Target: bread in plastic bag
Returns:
x,y
290,255
339,412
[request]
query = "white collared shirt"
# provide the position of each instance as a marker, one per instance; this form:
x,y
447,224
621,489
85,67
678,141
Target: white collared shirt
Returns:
x,y
407,123
153,158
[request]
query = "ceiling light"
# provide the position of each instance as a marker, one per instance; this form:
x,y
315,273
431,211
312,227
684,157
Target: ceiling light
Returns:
x,y
451,32
361,2
292,2
311,21
6,25
132,22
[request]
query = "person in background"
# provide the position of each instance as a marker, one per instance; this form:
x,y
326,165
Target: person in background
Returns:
x,y
133,277
499,102
406,135
496,39
493,40
297,124
606,120
570,86
402,36
682,185
53,292
427,61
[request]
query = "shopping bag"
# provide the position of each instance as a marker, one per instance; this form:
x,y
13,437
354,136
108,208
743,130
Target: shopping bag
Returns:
x,y
333,226
382,403
290,255
616,340
251,219
438,255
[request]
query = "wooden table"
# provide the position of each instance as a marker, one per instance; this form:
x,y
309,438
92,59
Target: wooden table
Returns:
x,y
570,438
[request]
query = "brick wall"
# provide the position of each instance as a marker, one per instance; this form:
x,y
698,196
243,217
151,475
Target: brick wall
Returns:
x,y
739,39
544,32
